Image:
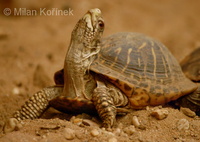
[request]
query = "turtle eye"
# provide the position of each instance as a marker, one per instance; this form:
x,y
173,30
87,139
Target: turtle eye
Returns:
x,y
101,24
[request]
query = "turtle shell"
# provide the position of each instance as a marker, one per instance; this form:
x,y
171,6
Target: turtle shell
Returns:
x,y
143,68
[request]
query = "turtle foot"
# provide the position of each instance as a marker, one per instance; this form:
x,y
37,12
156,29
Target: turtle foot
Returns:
x,y
12,124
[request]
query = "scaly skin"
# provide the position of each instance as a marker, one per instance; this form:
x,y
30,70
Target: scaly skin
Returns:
x,y
34,107
105,106
38,103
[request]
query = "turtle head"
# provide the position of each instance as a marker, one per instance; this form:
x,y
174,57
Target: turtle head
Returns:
x,y
89,29
83,50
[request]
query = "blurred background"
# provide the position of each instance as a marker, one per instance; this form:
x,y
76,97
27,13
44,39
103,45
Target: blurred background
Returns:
x,y
33,47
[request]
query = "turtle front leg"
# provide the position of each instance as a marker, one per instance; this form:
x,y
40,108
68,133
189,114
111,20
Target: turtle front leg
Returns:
x,y
107,99
105,106
34,107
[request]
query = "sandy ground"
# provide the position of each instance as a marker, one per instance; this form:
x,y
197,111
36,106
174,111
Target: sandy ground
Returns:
x,y
27,42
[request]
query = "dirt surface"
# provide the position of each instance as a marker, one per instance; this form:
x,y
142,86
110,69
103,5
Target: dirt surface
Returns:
x,y
32,48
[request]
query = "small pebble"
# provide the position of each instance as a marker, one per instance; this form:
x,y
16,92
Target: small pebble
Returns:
x,y
112,139
117,131
16,91
188,112
123,134
94,132
147,108
84,116
120,125
135,121
160,113
77,121
88,122
107,133
69,134
142,127
183,124
130,130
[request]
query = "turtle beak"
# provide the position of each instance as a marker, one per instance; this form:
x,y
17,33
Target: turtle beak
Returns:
x,y
92,18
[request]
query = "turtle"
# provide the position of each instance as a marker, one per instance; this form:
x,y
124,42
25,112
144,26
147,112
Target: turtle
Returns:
x,y
109,76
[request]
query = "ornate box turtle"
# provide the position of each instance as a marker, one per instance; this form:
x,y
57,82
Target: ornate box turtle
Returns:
x,y
124,70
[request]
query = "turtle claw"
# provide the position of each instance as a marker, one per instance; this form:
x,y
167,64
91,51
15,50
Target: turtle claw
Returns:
x,y
12,124
106,126
122,111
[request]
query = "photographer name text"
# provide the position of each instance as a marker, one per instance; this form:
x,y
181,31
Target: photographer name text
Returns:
x,y
42,12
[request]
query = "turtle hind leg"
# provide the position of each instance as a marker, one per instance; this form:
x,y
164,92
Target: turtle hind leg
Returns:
x,y
38,103
191,101
105,106
34,107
